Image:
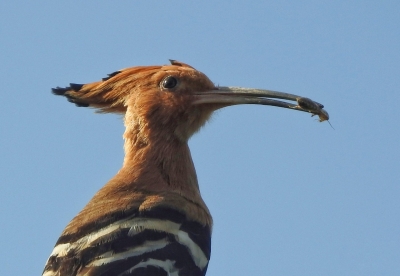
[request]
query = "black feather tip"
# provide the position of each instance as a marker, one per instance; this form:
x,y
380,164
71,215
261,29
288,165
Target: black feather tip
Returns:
x,y
75,86
111,75
60,91
72,100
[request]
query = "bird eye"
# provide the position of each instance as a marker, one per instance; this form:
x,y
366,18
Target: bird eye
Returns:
x,y
169,82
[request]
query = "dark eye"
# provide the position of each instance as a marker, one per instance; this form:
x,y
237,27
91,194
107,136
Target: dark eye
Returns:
x,y
169,82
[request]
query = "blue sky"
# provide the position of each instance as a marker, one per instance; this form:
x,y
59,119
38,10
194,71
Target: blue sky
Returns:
x,y
289,195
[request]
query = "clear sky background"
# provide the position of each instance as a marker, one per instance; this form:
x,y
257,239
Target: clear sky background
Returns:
x,y
289,195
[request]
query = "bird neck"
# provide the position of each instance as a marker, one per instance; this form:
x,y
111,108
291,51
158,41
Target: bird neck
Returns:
x,y
158,162
155,173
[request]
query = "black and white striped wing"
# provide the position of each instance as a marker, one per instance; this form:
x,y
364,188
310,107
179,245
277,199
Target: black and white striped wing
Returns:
x,y
144,244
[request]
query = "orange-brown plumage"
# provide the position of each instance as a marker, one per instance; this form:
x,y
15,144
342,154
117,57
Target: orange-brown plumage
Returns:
x,y
150,218
158,168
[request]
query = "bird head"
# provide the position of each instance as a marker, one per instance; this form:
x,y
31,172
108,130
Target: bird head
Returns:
x,y
169,102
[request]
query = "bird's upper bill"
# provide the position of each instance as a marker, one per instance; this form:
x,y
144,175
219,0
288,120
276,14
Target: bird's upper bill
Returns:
x,y
226,95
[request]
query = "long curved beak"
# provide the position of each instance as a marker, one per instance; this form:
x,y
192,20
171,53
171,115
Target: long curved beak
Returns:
x,y
226,96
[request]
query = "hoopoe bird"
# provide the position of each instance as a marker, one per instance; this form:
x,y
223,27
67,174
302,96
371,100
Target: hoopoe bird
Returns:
x,y
150,218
